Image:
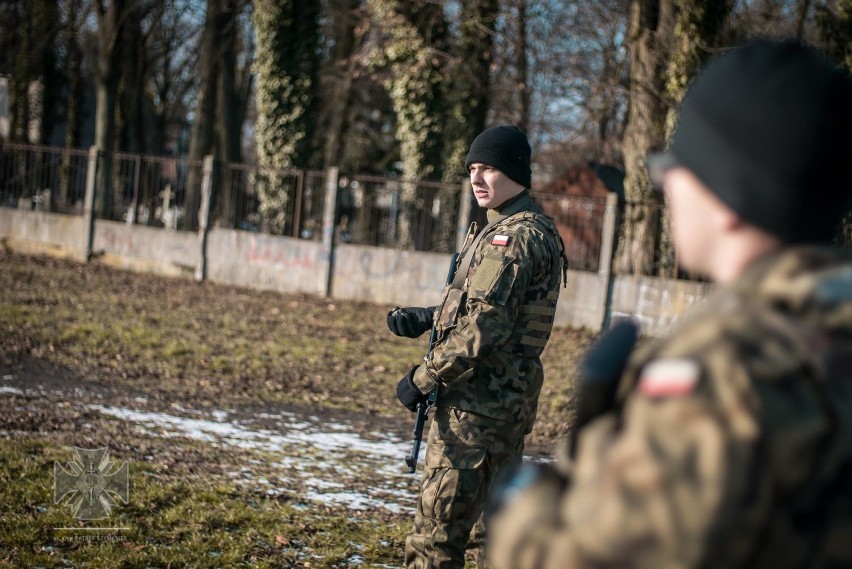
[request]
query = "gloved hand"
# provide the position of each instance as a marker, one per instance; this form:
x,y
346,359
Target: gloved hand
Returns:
x,y
408,393
411,321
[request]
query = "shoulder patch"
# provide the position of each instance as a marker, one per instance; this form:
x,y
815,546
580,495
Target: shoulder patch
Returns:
x,y
500,240
662,378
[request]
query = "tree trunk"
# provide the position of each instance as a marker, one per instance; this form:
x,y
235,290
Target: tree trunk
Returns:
x,y
130,120
228,116
470,96
20,104
201,141
110,20
414,56
699,23
74,103
644,131
522,69
343,65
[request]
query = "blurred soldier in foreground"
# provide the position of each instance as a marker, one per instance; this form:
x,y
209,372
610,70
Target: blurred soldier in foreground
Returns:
x,y
492,324
729,442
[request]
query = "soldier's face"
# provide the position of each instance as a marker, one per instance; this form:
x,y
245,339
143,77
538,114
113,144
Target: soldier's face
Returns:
x,y
693,219
491,187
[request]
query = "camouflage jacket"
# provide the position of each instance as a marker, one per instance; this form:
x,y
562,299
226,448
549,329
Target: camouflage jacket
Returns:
x,y
493,328
731,444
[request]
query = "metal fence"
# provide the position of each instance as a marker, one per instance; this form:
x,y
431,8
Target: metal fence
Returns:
x,y
389,212
239,191
43,177
579,220
370,210
159,191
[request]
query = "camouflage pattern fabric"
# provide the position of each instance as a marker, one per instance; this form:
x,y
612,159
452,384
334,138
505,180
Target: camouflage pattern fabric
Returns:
x,y
730,445
486,365
492,331
465,452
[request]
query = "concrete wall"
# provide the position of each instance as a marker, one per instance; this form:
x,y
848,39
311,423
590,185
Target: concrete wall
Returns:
x,y
656,303
390,276
289,265
266,262
146,249
583,303
37,232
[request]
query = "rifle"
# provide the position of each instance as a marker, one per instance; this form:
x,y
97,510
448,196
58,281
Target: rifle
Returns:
x,y
424,406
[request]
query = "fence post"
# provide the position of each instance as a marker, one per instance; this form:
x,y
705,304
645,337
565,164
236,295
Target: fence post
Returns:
x,y
464,214
204,216
328,218
607,252
89,202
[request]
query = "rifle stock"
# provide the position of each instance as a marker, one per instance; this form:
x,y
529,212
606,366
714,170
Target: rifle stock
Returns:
x,y
424,406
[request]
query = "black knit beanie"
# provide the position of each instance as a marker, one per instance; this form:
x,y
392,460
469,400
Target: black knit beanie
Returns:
x,y
768,128
506,148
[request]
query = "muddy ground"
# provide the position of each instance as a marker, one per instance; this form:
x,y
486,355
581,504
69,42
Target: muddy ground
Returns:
x,y
288,397
204,345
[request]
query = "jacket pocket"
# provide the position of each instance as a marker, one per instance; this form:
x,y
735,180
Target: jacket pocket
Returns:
x,y
454,488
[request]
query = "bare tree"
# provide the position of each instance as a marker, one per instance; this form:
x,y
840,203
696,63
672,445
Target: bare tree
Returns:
x,y
74,14
521,68
111,18
469,100
669,40
202,134
696,35
648,42
345,32
171,50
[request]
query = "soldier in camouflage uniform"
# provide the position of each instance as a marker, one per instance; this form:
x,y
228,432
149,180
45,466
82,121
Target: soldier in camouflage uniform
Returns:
x,y
492,325
729,442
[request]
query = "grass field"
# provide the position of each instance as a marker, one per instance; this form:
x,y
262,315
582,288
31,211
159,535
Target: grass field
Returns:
x,y
193,385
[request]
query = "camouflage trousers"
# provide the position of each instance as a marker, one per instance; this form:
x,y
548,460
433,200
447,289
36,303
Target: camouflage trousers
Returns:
x,y
466,452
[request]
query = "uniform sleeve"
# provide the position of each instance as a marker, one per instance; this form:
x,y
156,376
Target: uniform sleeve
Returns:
x,y
646,492
502,276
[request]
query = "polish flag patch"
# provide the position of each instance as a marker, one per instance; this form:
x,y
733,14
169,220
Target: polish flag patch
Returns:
x,y
500,240
664,378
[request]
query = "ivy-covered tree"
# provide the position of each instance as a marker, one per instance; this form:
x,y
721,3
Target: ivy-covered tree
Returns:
x,y
286,67
468,101
835,25
469,93
410,47
33,31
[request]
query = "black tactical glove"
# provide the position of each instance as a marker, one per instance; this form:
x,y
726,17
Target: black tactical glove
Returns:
x,y
408,393
411,321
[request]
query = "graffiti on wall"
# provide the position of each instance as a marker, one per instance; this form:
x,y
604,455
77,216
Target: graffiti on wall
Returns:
x,y
269,250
